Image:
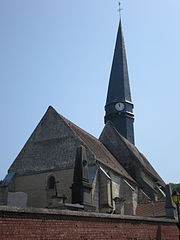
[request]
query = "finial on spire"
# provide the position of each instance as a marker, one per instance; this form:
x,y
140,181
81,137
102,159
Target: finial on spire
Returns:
x,y
120,9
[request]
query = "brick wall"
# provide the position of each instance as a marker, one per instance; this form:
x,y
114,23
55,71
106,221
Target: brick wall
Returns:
x,y
16,223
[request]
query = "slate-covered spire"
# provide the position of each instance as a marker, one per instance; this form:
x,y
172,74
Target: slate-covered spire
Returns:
x,y
119,108
119,79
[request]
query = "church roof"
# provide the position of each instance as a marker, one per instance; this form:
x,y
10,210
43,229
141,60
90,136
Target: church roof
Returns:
x,y
102,154
122,148
157,209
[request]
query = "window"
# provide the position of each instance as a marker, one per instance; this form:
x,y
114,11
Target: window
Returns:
x,y
51,182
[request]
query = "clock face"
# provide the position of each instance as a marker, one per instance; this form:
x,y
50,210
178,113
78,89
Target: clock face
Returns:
x,y
119,106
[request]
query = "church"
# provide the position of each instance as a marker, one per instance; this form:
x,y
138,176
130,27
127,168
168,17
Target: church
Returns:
x,y
62,166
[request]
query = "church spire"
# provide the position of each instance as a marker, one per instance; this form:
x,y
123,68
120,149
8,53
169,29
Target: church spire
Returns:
x,y
119,108
119,78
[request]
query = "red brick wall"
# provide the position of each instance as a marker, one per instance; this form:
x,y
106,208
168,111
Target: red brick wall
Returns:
x,y
34,224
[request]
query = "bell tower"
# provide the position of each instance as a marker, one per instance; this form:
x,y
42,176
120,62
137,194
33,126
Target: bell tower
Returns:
x,y
119,106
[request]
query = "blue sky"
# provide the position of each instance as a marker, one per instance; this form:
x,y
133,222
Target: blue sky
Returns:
x,y
60,53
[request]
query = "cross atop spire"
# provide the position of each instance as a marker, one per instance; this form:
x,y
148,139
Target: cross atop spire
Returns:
x,y
120,9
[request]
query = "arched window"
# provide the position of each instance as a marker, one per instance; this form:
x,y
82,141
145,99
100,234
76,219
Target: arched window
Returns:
x,y
51,182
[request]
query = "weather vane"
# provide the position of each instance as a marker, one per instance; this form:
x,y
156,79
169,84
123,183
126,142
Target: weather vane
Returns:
x,y
120,9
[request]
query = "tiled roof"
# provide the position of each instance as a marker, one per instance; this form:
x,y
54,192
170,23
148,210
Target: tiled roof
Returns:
x,y
99,150
128,150
143,160
156,209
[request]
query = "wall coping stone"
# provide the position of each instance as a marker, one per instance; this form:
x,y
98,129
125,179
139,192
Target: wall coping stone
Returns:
x,y
44,211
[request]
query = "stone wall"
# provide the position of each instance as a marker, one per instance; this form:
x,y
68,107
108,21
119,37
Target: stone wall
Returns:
x,y
3,195
52,145
18,223
35,186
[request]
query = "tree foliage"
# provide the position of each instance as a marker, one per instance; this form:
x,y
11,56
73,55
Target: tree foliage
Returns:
x,y
175,186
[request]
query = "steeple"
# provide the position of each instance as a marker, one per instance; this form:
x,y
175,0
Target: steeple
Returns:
x,y
119,107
